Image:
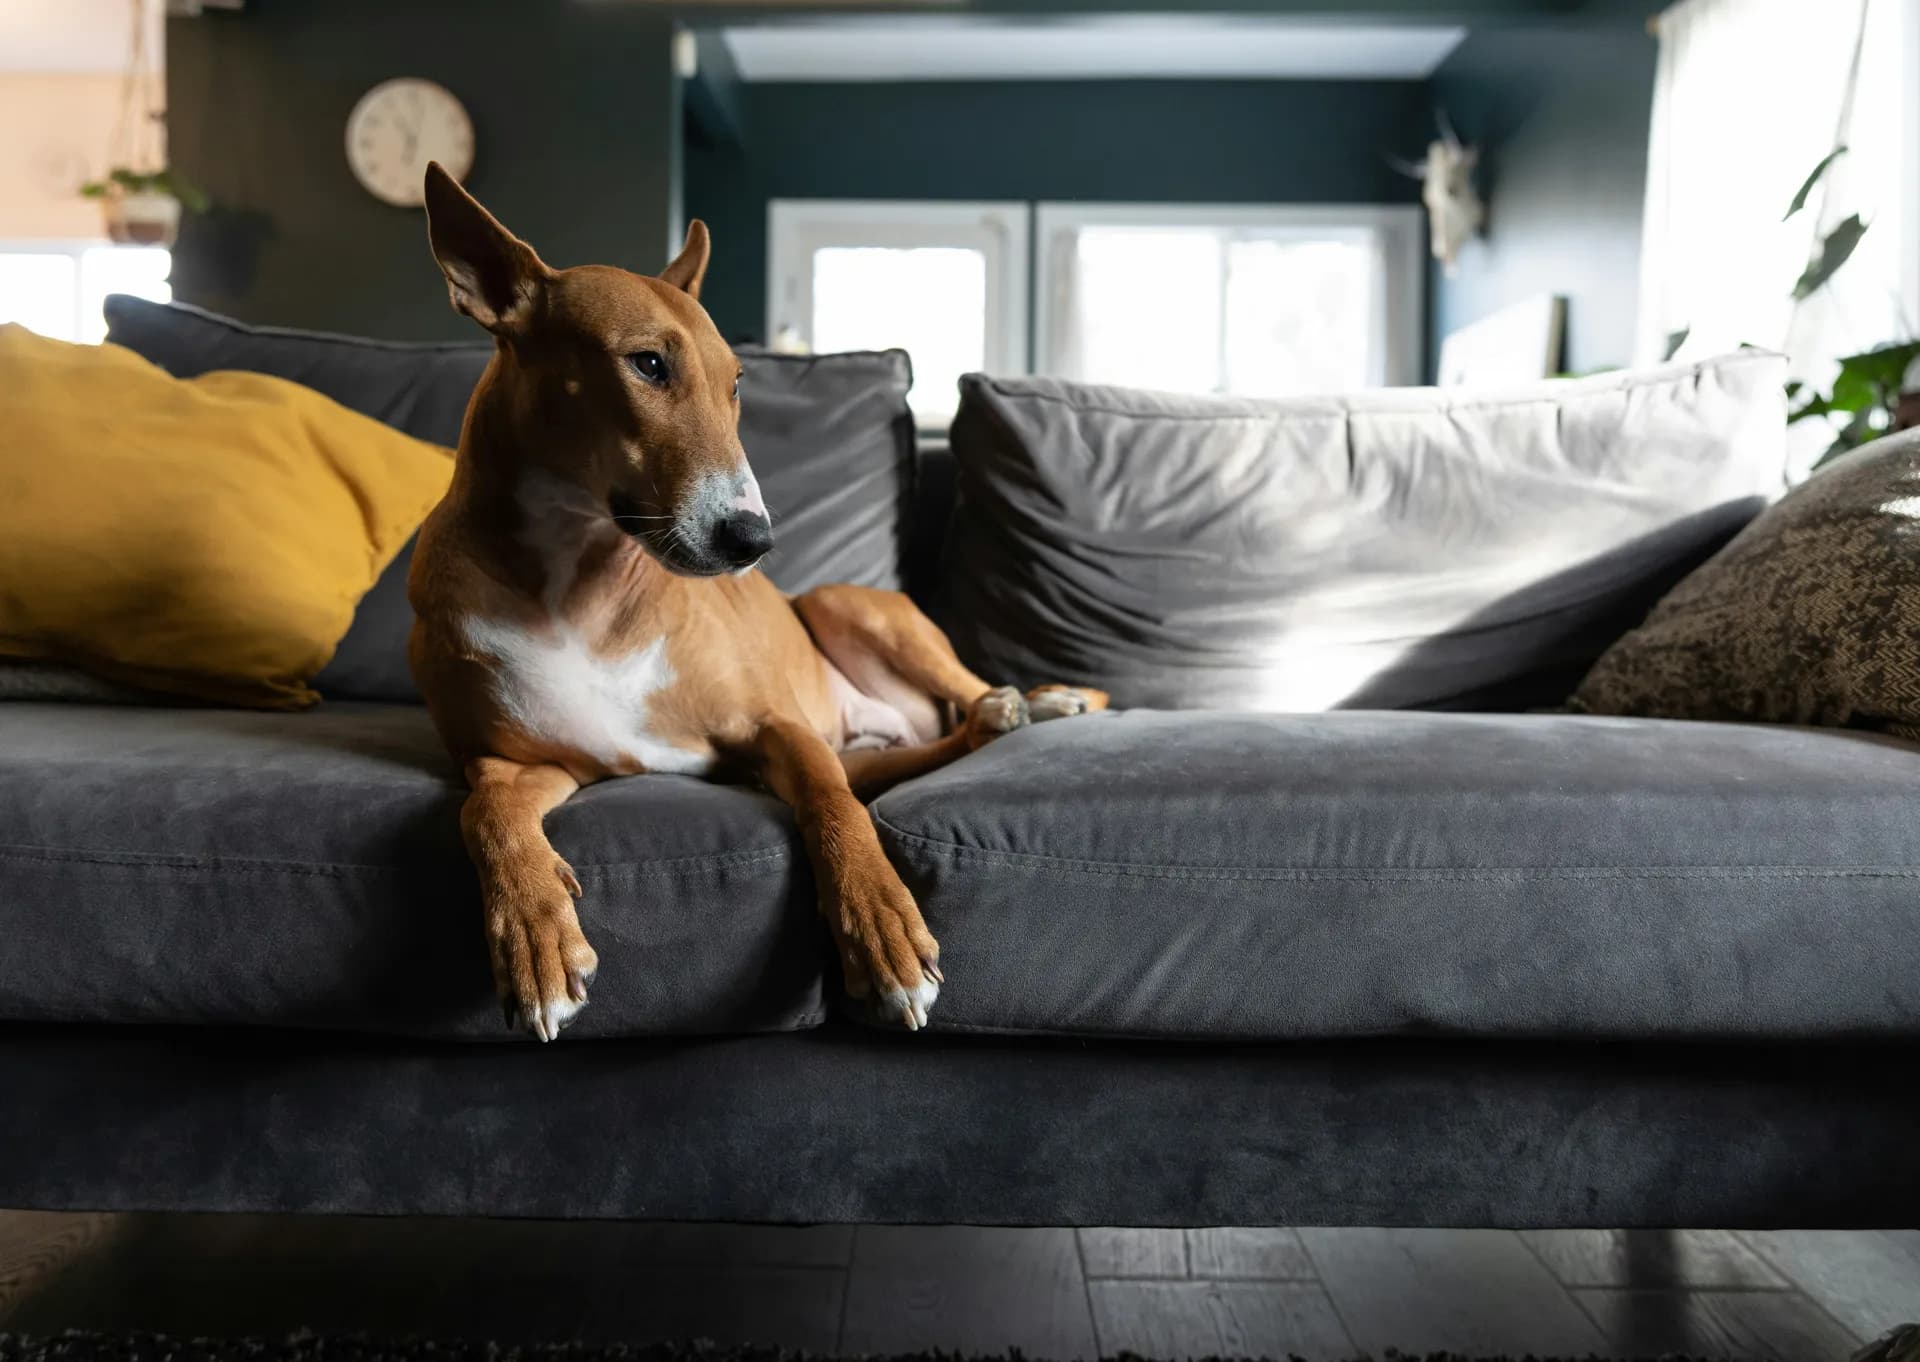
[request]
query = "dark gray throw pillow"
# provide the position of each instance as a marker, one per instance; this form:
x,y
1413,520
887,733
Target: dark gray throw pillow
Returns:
x,y
830,438
1398,548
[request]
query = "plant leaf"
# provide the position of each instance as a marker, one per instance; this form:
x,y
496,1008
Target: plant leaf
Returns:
x,y
1834,252
1873,377
1674,341
1800,199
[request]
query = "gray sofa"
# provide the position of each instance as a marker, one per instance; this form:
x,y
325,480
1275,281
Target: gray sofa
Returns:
x,y
1404,967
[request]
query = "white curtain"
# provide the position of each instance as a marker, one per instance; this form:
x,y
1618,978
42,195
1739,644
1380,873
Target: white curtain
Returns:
x,y
1749,96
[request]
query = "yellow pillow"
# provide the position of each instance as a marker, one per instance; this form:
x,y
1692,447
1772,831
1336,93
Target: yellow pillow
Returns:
x,y
208,537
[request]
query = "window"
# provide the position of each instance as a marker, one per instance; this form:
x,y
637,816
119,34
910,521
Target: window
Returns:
x,y
1255,301
56,288
946,282
1748,98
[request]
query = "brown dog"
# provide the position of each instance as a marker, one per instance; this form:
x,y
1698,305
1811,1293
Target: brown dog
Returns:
x,y
588,607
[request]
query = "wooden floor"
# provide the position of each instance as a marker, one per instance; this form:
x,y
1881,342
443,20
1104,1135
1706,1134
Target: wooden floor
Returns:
x,y
1050,1293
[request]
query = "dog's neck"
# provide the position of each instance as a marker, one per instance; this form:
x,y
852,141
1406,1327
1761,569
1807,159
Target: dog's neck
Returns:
x,y
553,541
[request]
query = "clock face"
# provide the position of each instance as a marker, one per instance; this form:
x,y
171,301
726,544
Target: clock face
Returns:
x,y
400,125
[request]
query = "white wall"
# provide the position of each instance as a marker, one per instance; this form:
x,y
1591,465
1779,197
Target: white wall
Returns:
x,y
60,129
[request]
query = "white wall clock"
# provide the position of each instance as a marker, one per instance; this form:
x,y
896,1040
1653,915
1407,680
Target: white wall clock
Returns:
x,y
400,125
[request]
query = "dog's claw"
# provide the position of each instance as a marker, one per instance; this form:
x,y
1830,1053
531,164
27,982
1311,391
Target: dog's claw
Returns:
x,y
577,985
933,972
568,878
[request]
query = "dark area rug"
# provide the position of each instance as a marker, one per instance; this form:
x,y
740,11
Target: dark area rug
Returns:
x,y
87,1347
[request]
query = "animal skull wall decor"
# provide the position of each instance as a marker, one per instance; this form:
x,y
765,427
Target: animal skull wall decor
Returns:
x,y
1454,209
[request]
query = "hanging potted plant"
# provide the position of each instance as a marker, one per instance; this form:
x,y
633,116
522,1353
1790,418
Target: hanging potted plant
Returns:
x,y
143,208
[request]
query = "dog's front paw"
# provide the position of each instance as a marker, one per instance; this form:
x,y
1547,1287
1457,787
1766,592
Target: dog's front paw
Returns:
x,y
542,963
888,957
998,712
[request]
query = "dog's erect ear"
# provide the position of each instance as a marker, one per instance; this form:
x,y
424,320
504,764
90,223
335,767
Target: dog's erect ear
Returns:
x,y
690,266
492,275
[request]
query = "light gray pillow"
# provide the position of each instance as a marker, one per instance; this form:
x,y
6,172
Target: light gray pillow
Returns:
x,y
1392,549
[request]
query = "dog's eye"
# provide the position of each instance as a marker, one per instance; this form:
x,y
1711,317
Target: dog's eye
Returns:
x,y
650,365
736,385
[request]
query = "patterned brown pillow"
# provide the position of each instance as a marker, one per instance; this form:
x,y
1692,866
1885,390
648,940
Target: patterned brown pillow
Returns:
x,y
1810,616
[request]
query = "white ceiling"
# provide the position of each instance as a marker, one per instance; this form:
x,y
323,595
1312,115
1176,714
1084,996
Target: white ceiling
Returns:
x,y
74,35
1165,46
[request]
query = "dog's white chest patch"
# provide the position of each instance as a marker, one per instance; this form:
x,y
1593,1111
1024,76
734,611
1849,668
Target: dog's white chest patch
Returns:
x,y
556,690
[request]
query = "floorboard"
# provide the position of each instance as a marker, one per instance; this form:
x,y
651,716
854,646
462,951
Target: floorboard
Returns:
x,y
1134,1253
1869,1280
967,1290
1470,1291
1272,1255
1218,1319
1740,1324
1651,1258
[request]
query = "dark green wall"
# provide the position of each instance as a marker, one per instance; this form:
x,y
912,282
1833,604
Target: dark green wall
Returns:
x,y
1561,116
576,123
1139,141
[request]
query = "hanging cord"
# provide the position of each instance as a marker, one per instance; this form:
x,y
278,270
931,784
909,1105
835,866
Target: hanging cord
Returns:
x,y
136,137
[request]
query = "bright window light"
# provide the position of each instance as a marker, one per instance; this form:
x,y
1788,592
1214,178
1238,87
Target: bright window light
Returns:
x,y
39,290
946,281
58,290
930,301
1299,317
1166,337
1244,300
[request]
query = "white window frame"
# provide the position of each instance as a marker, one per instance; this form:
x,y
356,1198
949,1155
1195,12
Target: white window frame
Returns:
x,y
74,247
1395,357
796,228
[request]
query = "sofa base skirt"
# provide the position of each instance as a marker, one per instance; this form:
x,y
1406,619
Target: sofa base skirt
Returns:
x,y
845,1125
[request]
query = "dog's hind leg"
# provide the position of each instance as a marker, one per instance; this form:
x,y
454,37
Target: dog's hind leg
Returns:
x,y
541,961
873,772
858,627
1064,702
883,644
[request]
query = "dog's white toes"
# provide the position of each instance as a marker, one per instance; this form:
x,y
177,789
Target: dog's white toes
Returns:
x,y
1061,703
910,1007
546,1021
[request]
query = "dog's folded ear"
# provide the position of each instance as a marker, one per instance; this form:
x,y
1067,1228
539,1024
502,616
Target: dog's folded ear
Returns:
x,y
492,275
690,266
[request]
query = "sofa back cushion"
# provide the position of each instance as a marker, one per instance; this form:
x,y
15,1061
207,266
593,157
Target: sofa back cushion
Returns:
x,y
830,438
420,389
1393,549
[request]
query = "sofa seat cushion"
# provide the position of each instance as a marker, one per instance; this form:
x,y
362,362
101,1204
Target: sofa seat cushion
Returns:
x,y
305,870
1368,873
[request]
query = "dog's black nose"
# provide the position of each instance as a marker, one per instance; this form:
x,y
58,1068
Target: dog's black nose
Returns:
x,y
743,538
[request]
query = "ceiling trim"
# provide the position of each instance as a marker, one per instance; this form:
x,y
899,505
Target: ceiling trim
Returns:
x,y
1165,46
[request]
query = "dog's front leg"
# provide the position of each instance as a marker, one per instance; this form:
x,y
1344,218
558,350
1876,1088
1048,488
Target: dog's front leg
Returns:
x,y
541,961
885,949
